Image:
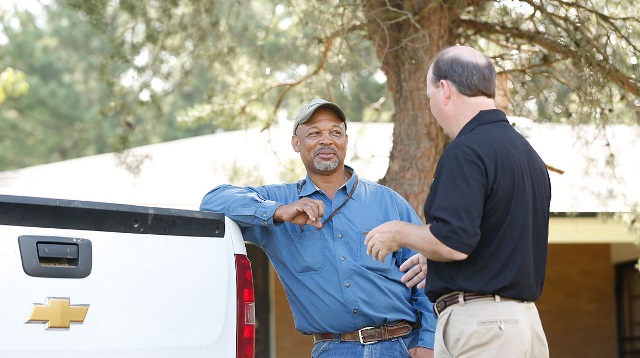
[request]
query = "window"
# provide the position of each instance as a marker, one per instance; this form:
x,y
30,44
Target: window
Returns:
x,y
628,296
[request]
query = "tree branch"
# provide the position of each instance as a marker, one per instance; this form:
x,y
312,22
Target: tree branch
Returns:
x,y
552,45
328,44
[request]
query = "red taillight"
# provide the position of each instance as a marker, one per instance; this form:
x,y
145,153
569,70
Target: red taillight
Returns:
x,y
246,332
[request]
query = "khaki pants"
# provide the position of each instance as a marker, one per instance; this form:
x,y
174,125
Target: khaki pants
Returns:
x,y
490,328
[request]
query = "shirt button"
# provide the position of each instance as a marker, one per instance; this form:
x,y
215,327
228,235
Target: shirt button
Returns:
x,y
348,284
340,236
264,214
341,258
355,311
266,222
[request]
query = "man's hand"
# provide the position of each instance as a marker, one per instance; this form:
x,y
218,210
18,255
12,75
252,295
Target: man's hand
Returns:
x,y
416,271
302,212
421,352
386,238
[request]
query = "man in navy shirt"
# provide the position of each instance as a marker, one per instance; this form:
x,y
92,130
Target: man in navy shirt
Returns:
x,y
487,215
313,232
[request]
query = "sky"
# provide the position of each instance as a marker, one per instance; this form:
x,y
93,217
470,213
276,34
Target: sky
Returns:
x,y
32,5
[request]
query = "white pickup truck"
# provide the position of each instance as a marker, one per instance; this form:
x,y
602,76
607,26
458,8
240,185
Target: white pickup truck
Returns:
x,y
83,279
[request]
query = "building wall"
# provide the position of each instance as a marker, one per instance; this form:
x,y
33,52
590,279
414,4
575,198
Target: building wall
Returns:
x,y
577,306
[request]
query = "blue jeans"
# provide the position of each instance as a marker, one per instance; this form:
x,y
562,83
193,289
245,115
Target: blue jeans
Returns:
x,y
393,348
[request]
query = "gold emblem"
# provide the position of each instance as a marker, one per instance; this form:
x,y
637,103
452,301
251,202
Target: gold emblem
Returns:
x,y
57,313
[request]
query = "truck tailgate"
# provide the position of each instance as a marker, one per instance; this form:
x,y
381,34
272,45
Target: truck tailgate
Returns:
x,y
153,285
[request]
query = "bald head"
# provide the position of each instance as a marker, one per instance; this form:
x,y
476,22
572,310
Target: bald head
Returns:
x,y
466,52
471,72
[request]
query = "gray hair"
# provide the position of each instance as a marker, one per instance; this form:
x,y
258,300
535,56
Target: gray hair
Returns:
x,y
471,78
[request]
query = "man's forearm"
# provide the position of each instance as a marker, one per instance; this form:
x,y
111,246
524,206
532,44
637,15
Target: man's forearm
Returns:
x,y
421,240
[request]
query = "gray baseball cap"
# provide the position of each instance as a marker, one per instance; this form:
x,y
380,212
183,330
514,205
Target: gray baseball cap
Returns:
x,y
307,111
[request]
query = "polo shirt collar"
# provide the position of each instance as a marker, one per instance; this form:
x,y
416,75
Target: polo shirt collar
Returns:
x,y
483,117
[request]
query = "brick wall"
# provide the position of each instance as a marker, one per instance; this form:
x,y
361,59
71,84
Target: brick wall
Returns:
x,y
577,306
289,342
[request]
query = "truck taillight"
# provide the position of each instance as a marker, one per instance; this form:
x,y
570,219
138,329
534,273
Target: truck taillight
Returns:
x,y
246,330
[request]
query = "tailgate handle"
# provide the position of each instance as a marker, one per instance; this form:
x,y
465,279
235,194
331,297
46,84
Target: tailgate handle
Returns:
x,y
58,253
55,256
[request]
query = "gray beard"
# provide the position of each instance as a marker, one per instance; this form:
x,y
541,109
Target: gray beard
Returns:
x,y
324,166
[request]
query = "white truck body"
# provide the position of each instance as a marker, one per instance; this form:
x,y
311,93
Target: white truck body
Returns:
x,y
151,282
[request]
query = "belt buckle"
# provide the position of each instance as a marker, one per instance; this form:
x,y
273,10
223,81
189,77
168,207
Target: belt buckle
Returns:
x,y
440,306
362,339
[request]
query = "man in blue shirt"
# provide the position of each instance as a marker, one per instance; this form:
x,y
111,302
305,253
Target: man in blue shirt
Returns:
x,y
487,216
313,232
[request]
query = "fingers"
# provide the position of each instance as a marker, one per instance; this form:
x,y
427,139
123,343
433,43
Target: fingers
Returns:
x,y
381,255
376,246
412,279
377,252
413,276
367,239
370,251
309,210
317,224
411,273
302,212
416,271
313,208
411,262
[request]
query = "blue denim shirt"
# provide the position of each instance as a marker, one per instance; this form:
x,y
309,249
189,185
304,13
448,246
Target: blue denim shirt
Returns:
x,y
331,283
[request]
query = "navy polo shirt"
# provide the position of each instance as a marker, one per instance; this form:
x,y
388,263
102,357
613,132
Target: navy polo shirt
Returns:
x,y
490,199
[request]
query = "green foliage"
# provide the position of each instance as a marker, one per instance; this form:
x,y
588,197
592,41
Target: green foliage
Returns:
x,y
632,219
58,118
12,84
563,61
254,54
76,104
115,74
571,62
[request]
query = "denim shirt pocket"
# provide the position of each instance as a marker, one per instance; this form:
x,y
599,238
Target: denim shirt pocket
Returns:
x,y
368,262
307,251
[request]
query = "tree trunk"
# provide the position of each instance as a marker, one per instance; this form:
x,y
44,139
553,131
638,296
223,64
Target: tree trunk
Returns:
x,y
407,35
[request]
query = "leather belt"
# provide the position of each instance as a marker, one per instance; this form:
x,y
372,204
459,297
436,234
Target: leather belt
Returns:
x,y
369,335
455,298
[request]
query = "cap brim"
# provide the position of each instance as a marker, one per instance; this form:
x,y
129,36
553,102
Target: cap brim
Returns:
x,y
304,116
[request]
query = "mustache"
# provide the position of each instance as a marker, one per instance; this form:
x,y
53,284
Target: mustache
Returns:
x,y
333,150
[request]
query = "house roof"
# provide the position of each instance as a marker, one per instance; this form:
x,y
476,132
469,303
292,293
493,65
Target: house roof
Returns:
x,y
178,173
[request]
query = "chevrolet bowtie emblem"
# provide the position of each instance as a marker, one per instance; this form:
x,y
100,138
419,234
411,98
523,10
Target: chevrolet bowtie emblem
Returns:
x,y
57,313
